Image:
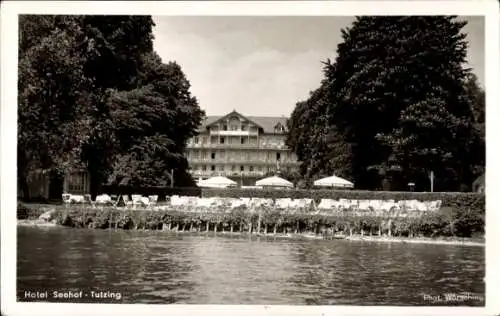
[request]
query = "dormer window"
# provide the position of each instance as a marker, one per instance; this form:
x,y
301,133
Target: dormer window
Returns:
x,y
278,128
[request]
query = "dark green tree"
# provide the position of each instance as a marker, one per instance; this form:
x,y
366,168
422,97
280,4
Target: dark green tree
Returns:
x,y
396,106
93,94
320,147
52,100
153,124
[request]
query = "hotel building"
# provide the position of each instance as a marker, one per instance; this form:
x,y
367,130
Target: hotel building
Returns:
x,y
242,148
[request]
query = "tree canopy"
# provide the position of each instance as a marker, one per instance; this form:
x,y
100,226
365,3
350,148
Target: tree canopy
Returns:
x,y
93,94
397,103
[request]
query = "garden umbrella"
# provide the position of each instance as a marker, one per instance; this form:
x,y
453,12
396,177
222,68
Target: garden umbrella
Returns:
x,y
274,182
216,182
333,181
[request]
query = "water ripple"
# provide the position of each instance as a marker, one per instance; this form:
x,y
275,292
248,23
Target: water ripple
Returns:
x,y
162,268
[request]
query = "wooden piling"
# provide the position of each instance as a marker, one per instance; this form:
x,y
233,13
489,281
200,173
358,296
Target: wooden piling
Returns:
x,y
250,228
275,228
258,222
231,228
208,226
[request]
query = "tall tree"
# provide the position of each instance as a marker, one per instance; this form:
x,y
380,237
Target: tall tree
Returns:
x,y
399,84
153,124
52,98
320,147
93,94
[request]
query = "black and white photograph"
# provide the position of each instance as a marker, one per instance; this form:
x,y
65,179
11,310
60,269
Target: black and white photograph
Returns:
x,y
249,159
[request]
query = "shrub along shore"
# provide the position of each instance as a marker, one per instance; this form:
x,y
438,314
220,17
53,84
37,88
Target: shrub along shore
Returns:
x,y
461,216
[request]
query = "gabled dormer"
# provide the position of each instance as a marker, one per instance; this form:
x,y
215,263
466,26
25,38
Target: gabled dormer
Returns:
x,y
279,128
233,122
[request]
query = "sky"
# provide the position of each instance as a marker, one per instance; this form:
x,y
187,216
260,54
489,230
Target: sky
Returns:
x,y
262,66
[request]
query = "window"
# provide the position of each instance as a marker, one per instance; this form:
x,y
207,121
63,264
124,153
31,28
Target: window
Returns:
x,y
222,140
224,127
204,168
259,168
234,127
212,168
243,140
278,128
196,139
221,168
233,168
251,168
222,154
204,155
204,140
213,155
242,168
278,156
76,182
253,140
244,126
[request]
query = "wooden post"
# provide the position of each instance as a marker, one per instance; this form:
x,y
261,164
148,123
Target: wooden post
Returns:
x,y
258,223
215,228
170,226
432,180
250,228
208,226
265,229
297,228
275,228
231,228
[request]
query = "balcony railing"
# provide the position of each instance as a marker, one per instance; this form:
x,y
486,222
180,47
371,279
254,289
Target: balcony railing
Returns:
x,y
239,161
234,133
238,146
209,173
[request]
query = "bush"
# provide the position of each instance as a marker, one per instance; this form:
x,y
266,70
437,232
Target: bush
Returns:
x,y
475,201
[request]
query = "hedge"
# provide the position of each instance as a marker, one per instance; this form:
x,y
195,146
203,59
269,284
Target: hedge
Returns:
x,y
475,201
447,222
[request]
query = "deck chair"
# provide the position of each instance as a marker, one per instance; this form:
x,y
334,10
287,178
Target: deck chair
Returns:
x,y
126,200
136,200
88,199
153,200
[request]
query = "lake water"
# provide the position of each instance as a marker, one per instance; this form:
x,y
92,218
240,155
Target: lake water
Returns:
x,y
159,267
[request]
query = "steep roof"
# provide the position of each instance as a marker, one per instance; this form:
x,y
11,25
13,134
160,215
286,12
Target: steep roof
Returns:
x,y
266,122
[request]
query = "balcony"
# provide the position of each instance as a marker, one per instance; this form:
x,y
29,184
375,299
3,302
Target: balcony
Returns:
x,y
233,174
238,146
239,161
234,133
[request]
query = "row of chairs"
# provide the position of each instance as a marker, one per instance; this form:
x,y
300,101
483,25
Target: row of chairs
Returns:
x,y
136,200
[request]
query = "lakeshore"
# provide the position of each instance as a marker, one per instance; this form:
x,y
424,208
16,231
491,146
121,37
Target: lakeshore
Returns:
x,y
237,223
